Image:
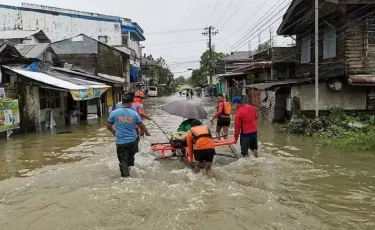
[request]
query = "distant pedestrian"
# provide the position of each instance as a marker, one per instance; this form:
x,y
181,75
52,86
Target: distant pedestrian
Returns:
x,y
125,122
245,124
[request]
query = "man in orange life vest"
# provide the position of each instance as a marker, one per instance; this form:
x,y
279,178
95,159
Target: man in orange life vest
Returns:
x,y
138,107
224,110
200,147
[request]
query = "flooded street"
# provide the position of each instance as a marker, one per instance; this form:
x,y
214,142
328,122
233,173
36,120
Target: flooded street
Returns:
x,y
72,181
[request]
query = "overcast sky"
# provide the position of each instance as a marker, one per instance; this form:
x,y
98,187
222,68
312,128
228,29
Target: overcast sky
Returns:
x,y
163,20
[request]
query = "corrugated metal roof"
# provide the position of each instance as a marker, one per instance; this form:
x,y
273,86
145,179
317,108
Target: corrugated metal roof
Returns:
x,y
33,50
110,77
87,75
253,65
267,85
228,74
14,34
47,79
362,79
53,78
289,82
4,44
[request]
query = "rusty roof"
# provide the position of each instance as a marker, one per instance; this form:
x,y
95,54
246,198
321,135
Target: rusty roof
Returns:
x,y
362,79
289,82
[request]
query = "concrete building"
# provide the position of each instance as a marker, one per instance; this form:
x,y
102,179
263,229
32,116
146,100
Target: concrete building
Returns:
x,y
60,24
99,59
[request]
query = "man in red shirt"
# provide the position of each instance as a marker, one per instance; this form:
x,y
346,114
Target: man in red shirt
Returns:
x,y
223,116
246,123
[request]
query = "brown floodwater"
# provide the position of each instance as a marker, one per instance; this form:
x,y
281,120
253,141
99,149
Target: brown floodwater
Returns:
x,y
71,181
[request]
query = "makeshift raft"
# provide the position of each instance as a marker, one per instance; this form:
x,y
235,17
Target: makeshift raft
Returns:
x,y
167,147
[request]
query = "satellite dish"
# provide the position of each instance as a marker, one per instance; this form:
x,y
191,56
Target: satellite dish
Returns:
x,y
335,85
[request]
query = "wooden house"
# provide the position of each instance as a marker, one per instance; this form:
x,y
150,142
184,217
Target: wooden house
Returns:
x,y
346,53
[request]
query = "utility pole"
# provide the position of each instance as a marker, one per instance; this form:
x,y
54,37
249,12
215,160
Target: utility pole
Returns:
x,y
210,31
260,33
271,43
316,58
249,48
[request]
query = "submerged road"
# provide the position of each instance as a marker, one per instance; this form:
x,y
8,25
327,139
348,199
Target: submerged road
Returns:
x,y
72,181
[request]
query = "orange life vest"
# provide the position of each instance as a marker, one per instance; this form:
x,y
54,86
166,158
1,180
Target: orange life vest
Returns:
x,y
199,132
227,108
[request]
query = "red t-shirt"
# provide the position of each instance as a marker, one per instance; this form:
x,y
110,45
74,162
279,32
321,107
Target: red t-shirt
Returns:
x,y
245,120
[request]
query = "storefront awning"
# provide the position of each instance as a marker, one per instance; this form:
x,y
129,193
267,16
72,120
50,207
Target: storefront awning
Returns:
x,y
84,90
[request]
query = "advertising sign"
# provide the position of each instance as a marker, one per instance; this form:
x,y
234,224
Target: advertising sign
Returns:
x,y
9,114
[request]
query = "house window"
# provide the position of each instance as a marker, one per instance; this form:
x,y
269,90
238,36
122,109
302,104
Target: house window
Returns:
x,y
49,99
306,49
371,31
103,39
329,43
125,38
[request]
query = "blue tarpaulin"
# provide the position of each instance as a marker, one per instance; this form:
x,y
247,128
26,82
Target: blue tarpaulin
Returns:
x,y
33,67
133,73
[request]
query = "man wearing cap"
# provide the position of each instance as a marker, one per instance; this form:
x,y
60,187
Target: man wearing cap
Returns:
x,y
245,123
138,106
125,121
119,104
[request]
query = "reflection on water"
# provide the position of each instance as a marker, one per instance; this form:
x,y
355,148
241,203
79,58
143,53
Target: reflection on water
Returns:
x,y
71,181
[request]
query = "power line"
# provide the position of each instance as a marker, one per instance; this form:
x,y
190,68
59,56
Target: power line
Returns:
x,y
251,18
246,37
222,16
170,43
217,3
238,6
172,31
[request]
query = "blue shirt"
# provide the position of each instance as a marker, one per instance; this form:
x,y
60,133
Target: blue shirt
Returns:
x,y
126,121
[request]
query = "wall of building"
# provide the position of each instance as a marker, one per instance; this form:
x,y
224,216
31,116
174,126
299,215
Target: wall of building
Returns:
x,y
350,98
37,115
77,45
112,62
60,24
87,62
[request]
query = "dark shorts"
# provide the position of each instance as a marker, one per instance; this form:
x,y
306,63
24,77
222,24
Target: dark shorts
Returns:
x,y
248,142
204,155
125,155
223,122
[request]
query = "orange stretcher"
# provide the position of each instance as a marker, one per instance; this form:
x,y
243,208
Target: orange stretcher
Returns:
x,y
167,147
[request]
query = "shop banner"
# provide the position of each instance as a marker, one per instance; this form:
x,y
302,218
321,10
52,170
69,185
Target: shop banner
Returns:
x,y
87,94
9,114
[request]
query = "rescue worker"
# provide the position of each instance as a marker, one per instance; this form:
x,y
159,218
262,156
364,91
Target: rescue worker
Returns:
x,y
185,127
138,106
224,110
119,104
200,147
122,123
245,127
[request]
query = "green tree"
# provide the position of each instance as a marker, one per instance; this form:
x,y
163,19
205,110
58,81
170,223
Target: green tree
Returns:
x,y
199,76
264,46
180,81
